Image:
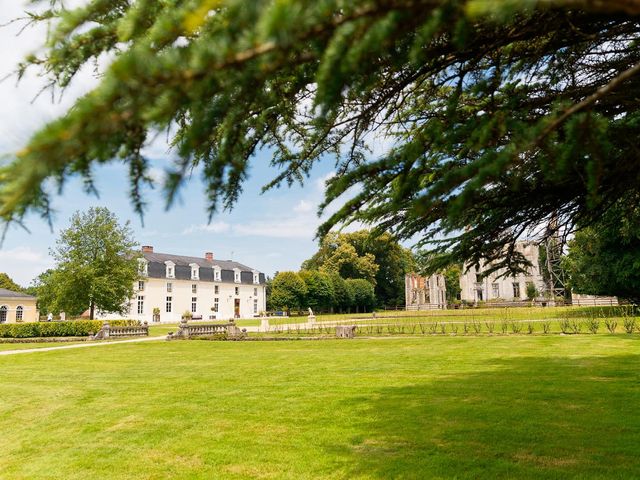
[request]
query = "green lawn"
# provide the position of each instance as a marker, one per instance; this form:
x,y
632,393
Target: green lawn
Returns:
x,y
434,407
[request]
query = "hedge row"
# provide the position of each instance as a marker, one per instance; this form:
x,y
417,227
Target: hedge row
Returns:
x,y
76,328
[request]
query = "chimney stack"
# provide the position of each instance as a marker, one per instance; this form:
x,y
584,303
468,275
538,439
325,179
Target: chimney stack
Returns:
x,y
209,256
147,249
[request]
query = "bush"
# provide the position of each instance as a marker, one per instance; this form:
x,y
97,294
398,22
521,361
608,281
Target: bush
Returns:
x,y
611,325
516,327
565,325
530,328
593,324
124,323
74,328
629,324
546,326
490,326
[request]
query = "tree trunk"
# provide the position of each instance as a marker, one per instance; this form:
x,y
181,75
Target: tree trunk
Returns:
x,y
91,310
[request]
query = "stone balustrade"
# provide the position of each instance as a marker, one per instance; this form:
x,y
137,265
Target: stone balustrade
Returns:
x,y
107,331
186,330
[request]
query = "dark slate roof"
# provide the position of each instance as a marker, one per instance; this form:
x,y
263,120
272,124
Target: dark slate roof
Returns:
x,y
4,293
156,268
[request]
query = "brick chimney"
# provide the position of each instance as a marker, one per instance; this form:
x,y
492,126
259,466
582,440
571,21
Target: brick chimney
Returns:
x,y
147,249
209,256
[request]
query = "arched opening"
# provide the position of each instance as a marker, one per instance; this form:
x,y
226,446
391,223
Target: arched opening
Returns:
x,y
19,311
3,313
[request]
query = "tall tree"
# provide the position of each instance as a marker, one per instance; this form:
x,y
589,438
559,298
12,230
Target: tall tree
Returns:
x,y
7,282
337,255
320,292
502,114
364,297
288,291
96,264
604,259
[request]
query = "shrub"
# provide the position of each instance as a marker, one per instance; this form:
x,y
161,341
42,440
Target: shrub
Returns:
x,y
73,328
593,324
465,327
187,315
565,325
516,327
124,323
477,327
504,326
530,328
546,326
433,328
454,328
490,326
629,324
575,326
443,328
611,324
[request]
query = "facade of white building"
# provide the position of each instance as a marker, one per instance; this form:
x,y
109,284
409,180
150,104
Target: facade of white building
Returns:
x,y
476,287
208,289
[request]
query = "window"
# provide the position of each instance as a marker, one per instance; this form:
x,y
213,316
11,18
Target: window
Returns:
x,y
255,292
168,305
495,290
236,275
237,290
256,277
215,304
478,277
171,271
143,267
140,304
169,287
3,313
194,304
255,305
195,271
141,286
216,289
194,288
19,311
516,290
217,275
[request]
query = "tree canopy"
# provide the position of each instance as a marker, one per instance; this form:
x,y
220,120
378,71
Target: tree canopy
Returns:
x,y
377,258
7,282
96,266
604,259
499,115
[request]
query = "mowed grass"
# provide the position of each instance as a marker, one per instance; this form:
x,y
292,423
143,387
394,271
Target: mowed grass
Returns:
x,y
436,407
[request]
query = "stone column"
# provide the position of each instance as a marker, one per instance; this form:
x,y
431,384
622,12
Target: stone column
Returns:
x,y
264,324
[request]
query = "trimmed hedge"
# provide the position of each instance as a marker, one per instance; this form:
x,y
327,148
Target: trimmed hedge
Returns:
x,y
75,328
125,323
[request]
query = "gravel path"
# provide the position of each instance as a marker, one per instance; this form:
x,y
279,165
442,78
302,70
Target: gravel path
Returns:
x,y
80,345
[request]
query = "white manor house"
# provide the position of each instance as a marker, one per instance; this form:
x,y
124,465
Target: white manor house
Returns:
x,y
207,288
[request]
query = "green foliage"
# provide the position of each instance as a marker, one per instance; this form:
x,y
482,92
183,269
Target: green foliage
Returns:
x,y
320,291
604,259
363,293
532,291
288,291
75,328
378,258
501,114
7,283
96,266
343,295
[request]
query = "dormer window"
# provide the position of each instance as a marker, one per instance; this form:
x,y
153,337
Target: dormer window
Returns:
x,y
143,267
256,277
195,271
217,274
236,275
170,269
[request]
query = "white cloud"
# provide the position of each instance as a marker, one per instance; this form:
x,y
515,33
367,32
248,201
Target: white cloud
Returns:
x,y
23,264
216,227
303,207
321,183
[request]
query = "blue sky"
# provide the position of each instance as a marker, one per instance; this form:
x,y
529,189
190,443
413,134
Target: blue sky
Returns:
x,y
270,232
